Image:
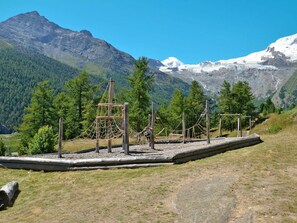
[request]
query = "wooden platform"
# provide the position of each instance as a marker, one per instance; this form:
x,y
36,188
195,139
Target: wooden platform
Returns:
x,y
140,156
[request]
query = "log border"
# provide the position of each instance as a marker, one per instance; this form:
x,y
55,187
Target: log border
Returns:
x,y
45,164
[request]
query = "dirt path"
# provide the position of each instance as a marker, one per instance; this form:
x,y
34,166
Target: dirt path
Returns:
x,y
210,200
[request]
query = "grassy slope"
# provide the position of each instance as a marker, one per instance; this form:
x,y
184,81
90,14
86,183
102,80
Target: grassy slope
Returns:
x,y
267,181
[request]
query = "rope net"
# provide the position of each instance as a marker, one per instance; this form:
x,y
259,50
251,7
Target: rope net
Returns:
x,y
107,125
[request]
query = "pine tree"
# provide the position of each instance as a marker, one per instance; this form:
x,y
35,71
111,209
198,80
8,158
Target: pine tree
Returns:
x,y
238,100
138,96
176,108
40,112
267,107
225,98
79,93
195,103
242,98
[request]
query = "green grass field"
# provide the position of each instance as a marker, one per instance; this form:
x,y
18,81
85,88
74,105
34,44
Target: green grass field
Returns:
x,y
266,185
11,141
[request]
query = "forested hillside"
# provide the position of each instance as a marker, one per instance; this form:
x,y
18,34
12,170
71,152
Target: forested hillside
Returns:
x,y
20,71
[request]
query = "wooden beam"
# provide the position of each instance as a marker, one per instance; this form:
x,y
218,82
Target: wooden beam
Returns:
x,y
60,138
229,114
153,127
220,126
183,127
207,122
126,131
110,104
97,135
250,124
108,117
239,130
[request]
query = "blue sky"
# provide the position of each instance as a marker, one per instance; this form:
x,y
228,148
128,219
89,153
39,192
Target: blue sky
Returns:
x,y
191,30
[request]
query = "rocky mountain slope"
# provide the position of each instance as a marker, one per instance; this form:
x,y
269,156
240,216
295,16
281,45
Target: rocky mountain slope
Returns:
x,y
266,71
80,50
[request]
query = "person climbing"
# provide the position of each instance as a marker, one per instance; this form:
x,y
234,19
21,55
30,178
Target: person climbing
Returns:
x,y
148,134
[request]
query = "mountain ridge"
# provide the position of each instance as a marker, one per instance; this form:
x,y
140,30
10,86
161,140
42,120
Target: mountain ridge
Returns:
x,y
266,71
80,50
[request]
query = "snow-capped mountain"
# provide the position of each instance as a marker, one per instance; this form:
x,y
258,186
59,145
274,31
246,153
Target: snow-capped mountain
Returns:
x,y
172,62
265,70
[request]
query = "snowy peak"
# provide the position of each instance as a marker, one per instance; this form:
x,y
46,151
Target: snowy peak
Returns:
x,y
287,46
265,70
278,54
284,48
172,62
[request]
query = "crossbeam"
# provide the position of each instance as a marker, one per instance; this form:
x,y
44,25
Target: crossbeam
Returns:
x,y
109,117
110,104
229,114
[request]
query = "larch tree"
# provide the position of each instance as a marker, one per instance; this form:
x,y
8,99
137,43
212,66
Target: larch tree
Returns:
x,y
138,96
195,103
235,100
40,112
176,108
79,93
242,98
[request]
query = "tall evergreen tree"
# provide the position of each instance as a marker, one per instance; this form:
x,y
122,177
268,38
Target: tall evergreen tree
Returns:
x,y
242,98
40,112
238,100
79,93
138,96
225,98
195,103
176,108
267,107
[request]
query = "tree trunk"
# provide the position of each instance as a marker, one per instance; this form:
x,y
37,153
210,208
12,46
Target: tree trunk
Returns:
x,y
7,192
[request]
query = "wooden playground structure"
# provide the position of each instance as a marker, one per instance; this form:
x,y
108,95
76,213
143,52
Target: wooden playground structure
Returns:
x,y
112,121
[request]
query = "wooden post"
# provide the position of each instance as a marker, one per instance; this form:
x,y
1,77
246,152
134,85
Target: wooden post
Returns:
x,y
153,127
220,125
126,132
184,127
149,120
239,130
188,134
250,123
110,99
207,122
7,192
193,132
60,138
97,135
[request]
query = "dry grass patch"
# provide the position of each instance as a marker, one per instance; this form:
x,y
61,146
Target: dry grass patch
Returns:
x,y
265,186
